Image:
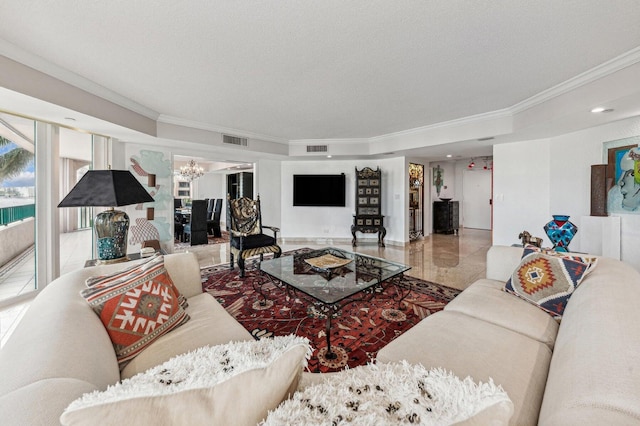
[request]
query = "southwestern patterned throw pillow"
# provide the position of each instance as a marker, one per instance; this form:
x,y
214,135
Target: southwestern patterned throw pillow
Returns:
x,y
548,279
589,260
132,271
137,308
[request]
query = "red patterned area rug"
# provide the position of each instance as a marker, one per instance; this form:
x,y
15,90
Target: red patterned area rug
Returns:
x,y
358,331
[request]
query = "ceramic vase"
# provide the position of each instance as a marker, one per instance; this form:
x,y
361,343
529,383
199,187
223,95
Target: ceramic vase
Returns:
x,y
560,231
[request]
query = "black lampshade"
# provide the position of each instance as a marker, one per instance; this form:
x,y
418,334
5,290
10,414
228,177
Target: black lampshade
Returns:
x,y
106,188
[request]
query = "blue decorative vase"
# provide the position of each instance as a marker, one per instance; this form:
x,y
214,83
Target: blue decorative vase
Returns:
x,y
560,231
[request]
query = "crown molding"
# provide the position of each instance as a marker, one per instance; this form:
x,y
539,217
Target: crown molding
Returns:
x,y
618,63
472,119
167,119
39,64
14,53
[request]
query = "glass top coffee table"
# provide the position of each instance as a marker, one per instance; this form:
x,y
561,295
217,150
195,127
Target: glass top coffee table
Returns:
x,y
334,277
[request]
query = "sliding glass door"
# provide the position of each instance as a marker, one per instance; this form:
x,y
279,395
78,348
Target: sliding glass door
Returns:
x,y
17,206
39,164
75,222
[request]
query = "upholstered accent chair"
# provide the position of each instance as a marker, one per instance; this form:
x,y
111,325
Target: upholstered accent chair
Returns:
x,y
213,222
210,203
178,225
196,229
246,237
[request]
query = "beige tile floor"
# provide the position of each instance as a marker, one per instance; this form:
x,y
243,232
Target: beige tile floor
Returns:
x,y
452,260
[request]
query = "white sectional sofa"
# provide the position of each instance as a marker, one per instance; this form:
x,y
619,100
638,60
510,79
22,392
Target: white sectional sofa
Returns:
x,y
585,371
60,350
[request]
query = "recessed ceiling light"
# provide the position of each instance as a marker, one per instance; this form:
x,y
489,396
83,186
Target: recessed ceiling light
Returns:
x,y
601,109
449,155
328,156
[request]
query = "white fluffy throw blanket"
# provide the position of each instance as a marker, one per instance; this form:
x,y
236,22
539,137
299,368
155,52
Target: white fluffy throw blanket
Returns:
x,y
205,367
394,393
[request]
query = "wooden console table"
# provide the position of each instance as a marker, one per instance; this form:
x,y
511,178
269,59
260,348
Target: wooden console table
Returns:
x,y
368,226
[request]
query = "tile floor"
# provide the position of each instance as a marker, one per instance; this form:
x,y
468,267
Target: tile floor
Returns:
x,y
453,260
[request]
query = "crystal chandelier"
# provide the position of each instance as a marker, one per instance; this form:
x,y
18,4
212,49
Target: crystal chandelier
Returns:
x,y
191,171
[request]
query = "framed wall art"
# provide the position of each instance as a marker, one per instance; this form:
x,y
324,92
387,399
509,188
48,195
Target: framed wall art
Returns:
x,y
622,157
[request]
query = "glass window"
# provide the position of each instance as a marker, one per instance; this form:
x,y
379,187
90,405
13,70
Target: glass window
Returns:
x,y
17,206
75,222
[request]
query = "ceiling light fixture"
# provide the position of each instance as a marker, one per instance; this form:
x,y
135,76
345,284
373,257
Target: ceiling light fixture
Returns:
x,y
191,171
449,155
601,109
486,164
328,156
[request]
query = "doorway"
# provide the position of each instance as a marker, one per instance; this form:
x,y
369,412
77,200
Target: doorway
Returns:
x,y
416,201
476,206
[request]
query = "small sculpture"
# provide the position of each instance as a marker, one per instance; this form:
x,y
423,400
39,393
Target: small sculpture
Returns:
x,y
526,238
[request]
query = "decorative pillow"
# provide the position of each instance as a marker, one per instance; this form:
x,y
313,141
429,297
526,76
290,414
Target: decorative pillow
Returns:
x,y
589,260
136,270
395,393
137,308
236,383
548,279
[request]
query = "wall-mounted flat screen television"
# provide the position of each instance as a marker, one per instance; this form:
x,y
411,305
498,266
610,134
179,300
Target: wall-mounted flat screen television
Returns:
x,y
319,190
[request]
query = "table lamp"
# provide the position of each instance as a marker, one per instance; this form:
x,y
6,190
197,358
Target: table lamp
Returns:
x,y
108,188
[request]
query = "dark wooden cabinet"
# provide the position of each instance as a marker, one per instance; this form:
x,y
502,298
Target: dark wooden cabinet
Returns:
x,y
368,217
240,185
446,217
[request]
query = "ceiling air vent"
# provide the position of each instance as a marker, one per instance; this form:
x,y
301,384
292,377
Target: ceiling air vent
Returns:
x,y
234,140
316,148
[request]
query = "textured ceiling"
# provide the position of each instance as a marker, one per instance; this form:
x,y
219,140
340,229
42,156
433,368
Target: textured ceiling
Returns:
x,y
302,69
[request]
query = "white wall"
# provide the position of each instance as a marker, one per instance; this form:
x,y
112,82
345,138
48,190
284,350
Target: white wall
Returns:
x,y
155,160
448,189
76,145
268,184
521,175
335,222
535,179
211,185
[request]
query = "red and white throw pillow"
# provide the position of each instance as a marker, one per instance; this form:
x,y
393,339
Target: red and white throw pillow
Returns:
x,y
135,270
137,308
